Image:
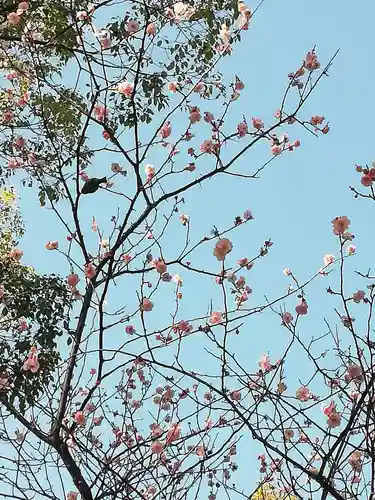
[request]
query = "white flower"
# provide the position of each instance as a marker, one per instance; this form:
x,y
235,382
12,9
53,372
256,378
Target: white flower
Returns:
x,y
231,277
183,11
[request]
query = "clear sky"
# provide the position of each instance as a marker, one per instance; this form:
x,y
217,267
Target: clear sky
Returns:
x,y
298,194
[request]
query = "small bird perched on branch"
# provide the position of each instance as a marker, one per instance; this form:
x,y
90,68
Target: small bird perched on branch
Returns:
x,y
92,185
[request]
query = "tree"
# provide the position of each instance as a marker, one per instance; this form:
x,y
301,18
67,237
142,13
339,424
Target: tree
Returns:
x,y
117,408
32,312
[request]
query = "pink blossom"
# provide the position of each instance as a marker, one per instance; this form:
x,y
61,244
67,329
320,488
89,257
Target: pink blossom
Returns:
x,y
72,495
149,171
16,254
355,460
358,296
340,225
258,123
351,250
354,395
317,120
126,258
105,43
247,215
31,158
195,115
81,15
172,87
235,395
200,451
13,18
281,387
198,87
31,362
126,88
265,363
151,29
355,372
207,146
311,61
52,245
242,129
12,75
173,433
288,434
8,116
183,327
24,99
276,150
79,418
19,142
90,270
23,6
287,317
328,410
90,407
165,130
160,266
215,318
241,282
303,393
132,26
147,305
334,420
366,180
328,259
157,431
238,84
73,279
101,112
14,163
301,308
4,383
92,371
22,325
222,248
129,329
157,447
184,219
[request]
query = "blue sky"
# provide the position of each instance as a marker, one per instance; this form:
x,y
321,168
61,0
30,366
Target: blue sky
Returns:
x,y
297,195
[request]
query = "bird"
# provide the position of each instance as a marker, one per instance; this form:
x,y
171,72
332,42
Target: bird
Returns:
x,y
92,185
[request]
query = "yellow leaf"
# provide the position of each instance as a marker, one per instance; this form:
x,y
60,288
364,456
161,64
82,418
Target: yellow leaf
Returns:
x,y
7,196
269,492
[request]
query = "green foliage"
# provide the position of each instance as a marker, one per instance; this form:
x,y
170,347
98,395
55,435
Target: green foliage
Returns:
x,y
62,113
176,58
41,301
52,20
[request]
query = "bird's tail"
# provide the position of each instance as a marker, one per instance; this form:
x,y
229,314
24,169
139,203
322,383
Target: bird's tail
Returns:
x,y
103,180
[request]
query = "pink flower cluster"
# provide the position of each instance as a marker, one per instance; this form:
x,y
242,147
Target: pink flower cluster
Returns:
x,y
15,17
31,363
334,418
222,248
